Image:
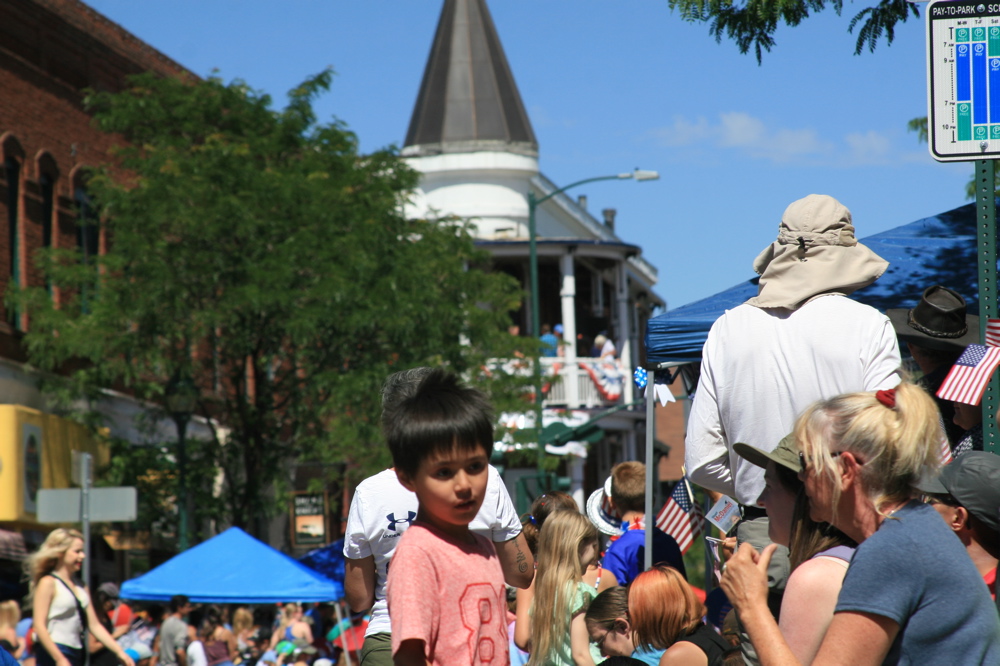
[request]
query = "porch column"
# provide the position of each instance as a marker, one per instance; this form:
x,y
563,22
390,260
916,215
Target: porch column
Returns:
x,y
631,452
624,333
576,466
567,295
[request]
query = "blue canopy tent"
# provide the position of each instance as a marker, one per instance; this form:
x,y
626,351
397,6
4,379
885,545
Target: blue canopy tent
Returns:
x,y
233,567
328,560
935,250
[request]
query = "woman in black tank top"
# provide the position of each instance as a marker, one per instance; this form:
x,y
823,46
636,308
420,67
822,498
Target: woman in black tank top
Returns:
x,y
666,615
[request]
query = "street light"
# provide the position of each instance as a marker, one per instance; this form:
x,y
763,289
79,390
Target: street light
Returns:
x,y
533,203
181,396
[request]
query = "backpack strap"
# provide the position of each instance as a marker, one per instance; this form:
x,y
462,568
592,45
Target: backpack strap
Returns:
x,y
79,607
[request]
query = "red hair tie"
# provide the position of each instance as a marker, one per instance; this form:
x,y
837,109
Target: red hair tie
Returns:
x,y
887,397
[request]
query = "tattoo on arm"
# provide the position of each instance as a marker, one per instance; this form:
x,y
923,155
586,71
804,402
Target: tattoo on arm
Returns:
x,y
522,561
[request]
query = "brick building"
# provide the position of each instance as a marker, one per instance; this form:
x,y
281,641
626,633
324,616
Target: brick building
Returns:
x,y
50,51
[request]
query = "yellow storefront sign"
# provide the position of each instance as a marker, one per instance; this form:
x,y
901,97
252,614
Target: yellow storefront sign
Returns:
x,y
36,452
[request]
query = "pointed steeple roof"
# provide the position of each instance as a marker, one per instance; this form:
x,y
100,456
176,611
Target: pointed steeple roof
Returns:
x,y
468,99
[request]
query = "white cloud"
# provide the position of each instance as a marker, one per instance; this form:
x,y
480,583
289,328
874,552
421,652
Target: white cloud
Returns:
x,y
741,129
740,133
869,147
683,132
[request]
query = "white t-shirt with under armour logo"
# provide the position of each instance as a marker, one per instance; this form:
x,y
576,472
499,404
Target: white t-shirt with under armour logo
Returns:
x,y
381,511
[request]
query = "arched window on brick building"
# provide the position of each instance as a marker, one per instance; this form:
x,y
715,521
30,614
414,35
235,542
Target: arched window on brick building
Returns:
x,y
13,158
88,233
48,176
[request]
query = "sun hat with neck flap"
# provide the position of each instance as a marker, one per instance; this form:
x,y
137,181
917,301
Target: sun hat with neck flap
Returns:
x,y
815,254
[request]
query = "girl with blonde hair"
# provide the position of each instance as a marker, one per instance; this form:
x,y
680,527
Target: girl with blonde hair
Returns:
x,y
61,608
243,627
292,627
10,615
911,593
667,616
567,545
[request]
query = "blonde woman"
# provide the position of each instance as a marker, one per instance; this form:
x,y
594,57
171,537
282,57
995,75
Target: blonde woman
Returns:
x,y
292,627
63,604
911,594
10,615
243,627
567,545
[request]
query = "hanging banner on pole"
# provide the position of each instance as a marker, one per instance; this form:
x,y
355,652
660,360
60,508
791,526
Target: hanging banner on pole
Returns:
x,y
963,80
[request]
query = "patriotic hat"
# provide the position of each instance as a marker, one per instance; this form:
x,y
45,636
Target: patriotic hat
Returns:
x,y
939,321
600,512
786,454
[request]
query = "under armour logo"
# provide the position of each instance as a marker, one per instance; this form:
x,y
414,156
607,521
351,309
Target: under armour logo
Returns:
x,y
410,516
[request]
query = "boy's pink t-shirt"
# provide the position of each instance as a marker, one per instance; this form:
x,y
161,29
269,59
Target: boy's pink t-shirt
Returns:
x,y
450,595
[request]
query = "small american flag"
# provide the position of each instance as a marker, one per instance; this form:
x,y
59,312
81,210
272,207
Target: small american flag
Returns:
x,y
681,517
967,379
944,454
993,332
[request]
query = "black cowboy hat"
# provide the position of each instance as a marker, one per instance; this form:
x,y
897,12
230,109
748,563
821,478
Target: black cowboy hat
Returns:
x,y
938,321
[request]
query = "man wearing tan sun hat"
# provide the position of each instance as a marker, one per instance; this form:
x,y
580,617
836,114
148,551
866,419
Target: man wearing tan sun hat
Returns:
x,y
800,339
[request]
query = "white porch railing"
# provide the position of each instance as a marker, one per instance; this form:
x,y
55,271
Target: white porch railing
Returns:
x,y
599,382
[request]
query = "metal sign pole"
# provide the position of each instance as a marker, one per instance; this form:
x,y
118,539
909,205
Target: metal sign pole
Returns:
x,y
986,233
650,436
86,460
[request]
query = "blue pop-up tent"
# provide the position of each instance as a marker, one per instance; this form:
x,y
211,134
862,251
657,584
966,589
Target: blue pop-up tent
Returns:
x,y
935,250
233,567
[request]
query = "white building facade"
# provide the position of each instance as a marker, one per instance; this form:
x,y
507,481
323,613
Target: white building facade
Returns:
x,y
472,142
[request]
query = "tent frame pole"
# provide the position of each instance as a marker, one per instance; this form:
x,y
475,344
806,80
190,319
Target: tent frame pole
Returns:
x,y
650,436
343,634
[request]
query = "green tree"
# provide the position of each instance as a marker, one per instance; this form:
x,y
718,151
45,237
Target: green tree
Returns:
x,y
258,253
752,23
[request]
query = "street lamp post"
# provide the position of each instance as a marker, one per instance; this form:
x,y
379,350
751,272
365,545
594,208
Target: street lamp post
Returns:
x,y
533,203
181,395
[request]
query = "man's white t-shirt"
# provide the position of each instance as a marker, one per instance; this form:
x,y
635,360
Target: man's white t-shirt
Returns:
x,y
761,368
381,511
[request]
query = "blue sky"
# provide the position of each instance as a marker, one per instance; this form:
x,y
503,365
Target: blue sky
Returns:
x,y
614,85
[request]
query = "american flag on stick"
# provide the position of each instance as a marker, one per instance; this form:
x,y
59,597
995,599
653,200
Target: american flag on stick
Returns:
x,y
681,517
993,332
967,379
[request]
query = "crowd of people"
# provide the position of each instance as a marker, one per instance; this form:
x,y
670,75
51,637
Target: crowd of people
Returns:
x,y
869,532
853,546
103,630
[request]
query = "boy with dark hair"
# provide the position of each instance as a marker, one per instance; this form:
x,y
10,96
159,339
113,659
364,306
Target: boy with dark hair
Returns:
x,y
625,557
446,595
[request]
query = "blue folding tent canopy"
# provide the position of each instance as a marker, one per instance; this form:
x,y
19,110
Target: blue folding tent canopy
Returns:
x,y
233,567
935,250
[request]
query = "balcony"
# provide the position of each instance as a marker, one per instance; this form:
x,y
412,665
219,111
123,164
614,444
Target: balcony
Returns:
x,y
599,382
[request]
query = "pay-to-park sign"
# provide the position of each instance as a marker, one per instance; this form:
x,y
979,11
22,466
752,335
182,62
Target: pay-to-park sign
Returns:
x,y
963,80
